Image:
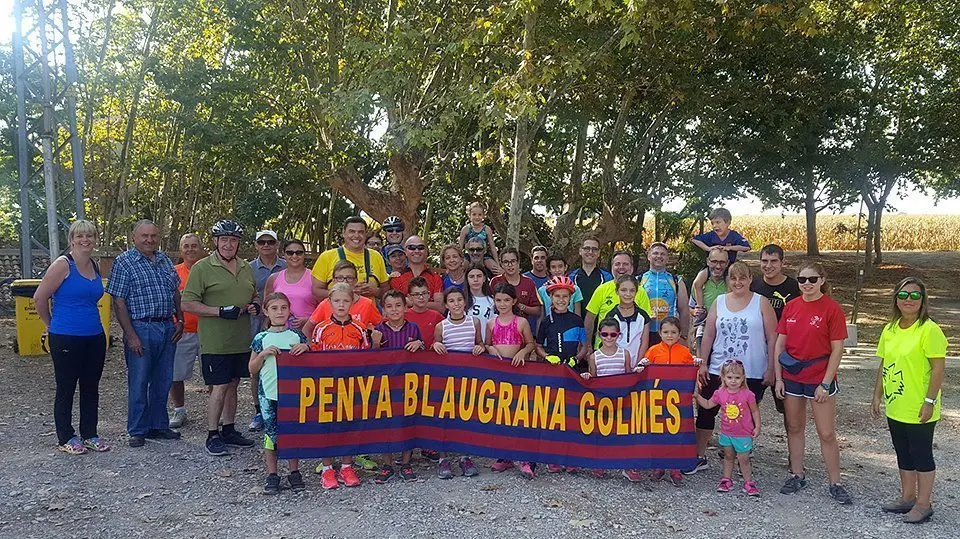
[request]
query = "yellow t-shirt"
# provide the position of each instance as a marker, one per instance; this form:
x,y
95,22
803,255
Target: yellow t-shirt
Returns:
x,y
605,298
906,357
323,269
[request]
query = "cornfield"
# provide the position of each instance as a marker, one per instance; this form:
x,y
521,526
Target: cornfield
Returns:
x,y
899,232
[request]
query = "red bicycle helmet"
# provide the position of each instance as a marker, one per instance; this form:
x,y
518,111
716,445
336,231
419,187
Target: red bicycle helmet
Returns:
x,y
560,282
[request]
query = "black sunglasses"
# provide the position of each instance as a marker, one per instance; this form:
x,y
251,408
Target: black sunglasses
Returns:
x,y
295,253
266,242
393,229
915,295
811,280
420,247
475,249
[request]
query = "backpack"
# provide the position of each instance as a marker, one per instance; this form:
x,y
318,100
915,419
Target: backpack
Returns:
x,y
366,261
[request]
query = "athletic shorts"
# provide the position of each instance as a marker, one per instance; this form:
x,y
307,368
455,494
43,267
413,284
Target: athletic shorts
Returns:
x,y
740,444
268,410
220,369
188,350
809,391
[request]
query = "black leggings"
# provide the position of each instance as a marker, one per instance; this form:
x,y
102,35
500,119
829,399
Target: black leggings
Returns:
x,y
77,360
707,417
913,443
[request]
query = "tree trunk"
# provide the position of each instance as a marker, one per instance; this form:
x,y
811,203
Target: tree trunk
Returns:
x,y
522,140
868,239
563,238
810,208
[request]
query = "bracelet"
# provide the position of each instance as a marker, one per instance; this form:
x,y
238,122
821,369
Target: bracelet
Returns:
x,y
930,401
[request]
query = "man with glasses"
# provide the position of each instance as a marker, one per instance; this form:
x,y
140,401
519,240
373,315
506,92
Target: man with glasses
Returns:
x,y
538,259
264,265
605,297
416,250
667,292
706,291
589,276
528,301
476,252
371,269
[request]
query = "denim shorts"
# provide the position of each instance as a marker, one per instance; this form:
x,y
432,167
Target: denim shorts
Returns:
x,y
740,444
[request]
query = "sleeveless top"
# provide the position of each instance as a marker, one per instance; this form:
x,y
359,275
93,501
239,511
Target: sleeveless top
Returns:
x,y
74,310
661,288
458,336
481,235
609,365
740,336
506,334
302,302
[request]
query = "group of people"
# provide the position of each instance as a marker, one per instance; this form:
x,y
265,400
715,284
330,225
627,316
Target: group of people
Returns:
x,y
751,332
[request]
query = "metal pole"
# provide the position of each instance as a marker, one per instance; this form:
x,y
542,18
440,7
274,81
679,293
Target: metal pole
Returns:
x,y
71,103
23,166
46,139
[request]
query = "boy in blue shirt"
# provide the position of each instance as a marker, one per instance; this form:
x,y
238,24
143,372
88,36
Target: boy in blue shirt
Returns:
x,y
728,240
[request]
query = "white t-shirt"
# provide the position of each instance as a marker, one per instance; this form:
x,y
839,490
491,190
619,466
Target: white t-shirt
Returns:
x,y
484,311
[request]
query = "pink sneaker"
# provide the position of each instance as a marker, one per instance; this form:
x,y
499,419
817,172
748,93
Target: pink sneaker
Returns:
x,y
599,474
553,468
572,469
724,485
656,475
750,487
633,476
527,470
502,465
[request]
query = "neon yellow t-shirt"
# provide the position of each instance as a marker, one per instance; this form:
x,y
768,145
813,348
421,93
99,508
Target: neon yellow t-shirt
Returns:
x,y
605,298
906,357
323,269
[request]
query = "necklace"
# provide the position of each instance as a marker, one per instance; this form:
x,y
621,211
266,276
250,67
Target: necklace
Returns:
x,y
461,319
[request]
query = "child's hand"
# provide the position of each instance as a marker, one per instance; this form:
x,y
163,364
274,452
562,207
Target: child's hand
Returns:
x,y
298,323
394,274
519,359
439,348
270,351
756,431
585,375
644,362
299,348
478,349
376,336
639,368
697,361
413,346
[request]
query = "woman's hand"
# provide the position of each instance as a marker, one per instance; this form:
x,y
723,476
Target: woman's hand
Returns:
x,y
875,407
778,389
820,395
439,348
703,374
926,412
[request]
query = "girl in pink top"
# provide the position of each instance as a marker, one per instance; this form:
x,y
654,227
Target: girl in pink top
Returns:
x,y
296,282
739,423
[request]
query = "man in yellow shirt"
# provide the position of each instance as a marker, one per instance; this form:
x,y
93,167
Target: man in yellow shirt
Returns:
x,y
371,269
605,298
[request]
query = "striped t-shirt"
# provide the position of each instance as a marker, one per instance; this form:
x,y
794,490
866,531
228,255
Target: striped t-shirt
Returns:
x,y
459,336
398,338
609,365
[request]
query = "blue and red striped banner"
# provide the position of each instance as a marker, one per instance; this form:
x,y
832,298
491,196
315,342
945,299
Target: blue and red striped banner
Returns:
x,y
368,402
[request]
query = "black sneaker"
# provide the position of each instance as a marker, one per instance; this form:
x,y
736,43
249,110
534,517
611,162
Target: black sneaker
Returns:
x,y
701,464
840,494
272,486
295,481
236,439
794,484
430,454
385,474
407,473
216,447
137,441
163,434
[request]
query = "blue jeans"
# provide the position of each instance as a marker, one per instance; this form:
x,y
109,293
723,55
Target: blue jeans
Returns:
x,y
149,377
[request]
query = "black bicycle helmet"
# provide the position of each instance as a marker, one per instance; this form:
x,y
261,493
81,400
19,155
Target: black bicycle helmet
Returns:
x,y
227,227
393,222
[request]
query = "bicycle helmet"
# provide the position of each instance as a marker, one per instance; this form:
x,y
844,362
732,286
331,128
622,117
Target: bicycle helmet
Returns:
x,y
227,227
560,282
393,222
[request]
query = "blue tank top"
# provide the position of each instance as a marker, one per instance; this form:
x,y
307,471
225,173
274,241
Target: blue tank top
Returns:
x,y
481,235
661,288
74,310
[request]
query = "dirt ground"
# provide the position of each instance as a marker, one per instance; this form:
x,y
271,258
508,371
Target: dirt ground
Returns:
x,y
175,489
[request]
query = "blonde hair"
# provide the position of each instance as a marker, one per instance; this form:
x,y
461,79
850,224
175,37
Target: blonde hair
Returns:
x,y
740,269
734,366
341,288
345,264
81,226
473,205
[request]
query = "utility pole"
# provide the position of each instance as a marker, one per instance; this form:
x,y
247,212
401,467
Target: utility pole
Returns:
x,y
49,154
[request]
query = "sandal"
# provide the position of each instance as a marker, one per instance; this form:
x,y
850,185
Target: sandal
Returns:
x,y
918,515
73,447
96,444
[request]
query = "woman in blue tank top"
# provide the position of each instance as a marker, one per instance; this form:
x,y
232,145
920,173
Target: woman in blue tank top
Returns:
x,y
77,342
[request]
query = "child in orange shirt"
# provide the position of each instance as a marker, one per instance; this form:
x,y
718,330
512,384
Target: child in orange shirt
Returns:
x,y
668,352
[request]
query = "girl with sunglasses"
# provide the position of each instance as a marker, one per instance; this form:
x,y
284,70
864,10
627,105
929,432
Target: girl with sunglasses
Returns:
x,y
808,351
912,349
296,283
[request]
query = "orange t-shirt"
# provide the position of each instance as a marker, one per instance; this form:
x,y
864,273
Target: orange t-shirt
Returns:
x,y
336,335
364,312
661,354
189,319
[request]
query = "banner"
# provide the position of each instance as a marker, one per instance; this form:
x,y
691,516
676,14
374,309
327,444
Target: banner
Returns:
x,y
385,401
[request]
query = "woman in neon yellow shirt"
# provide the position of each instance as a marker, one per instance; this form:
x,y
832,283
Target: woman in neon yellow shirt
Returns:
x,y
912,349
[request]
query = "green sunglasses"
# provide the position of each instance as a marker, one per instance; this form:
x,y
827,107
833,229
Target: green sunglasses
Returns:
x,y
916,296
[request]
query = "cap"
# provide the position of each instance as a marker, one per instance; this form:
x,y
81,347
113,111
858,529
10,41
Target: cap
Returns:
x,y
270,233
392,248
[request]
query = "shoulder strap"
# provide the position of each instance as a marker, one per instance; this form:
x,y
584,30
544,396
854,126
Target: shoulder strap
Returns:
x,y
341,254
366,262
96,267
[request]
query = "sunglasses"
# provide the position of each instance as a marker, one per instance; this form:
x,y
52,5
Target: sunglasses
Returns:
x,y
392,229
420,247
811,280
916,296
266,242
475,249
295,253
610,334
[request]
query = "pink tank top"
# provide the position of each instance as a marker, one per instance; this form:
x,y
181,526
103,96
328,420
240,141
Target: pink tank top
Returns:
x,y
302,302
506,334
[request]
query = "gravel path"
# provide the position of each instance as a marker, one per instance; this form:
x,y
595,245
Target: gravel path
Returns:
x,y
175,489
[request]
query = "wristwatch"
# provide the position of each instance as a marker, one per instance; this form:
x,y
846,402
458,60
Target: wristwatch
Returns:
x,y
826,386
930,401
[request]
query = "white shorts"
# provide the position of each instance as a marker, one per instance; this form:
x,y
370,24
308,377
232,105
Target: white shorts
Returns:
x,y
188,350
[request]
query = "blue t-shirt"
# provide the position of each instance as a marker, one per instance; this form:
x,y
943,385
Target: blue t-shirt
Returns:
x,y
448,282
560,334
539,281
733,238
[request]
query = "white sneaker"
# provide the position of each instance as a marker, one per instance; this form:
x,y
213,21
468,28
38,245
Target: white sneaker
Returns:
x,y
178,419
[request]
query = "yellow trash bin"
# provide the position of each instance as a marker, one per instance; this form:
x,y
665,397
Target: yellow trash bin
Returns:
x,y
30,329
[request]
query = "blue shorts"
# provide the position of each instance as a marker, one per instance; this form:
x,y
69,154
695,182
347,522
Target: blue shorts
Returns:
x,y
740,444
268,410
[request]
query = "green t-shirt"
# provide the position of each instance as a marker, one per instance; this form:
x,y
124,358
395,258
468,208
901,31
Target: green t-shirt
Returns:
x,y
712,290
284,340
605,298
906,357
214,285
